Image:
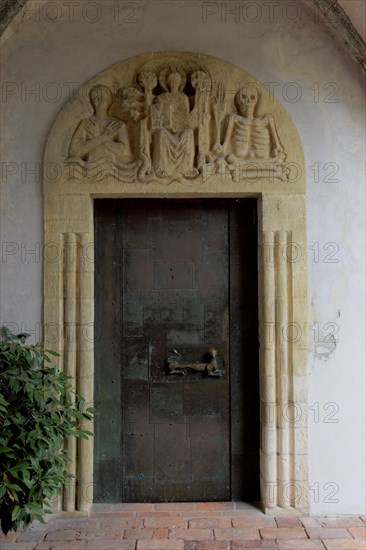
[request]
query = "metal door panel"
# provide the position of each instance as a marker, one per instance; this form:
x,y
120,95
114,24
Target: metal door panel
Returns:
x,y
172,279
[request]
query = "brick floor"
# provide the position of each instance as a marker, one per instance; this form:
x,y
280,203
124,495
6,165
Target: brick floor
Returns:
x,y
329,533
358,532
283,521
189,526
206,523
283,533
344,544
242,544
160,545
112,545
300,544
191,534
60,545
206,545
341,521
255,521
170,521
232,534
148,533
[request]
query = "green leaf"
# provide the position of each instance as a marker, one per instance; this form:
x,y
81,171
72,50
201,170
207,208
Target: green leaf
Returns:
x,y
17,512
35,507
51,352
14,487
7,334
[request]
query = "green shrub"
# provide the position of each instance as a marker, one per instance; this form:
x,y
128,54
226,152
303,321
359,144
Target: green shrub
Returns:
x,y
38,410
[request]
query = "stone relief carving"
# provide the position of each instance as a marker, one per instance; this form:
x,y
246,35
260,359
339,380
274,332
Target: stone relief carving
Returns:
x,y
251,141
174,125
100,144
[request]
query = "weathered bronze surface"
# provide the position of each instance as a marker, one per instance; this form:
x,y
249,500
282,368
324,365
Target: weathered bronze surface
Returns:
x,y
213,367
176,275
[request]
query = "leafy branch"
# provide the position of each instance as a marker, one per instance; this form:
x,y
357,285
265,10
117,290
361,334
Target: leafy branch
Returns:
x,y
39,409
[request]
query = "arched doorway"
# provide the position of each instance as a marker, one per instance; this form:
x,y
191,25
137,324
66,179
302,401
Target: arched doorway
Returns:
x,y
176,126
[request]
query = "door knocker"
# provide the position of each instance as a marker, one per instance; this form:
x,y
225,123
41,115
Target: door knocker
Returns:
x,y
212,367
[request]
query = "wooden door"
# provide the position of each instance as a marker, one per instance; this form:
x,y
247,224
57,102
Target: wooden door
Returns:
x,y
176,279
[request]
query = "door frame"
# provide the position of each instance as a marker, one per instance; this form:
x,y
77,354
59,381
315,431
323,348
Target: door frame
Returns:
x,y
282,303
282,297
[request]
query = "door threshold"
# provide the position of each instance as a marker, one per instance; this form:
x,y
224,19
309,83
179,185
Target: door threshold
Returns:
x,y
183,507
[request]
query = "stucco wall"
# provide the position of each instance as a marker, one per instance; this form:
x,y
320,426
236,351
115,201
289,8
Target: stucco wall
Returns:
x,y
51,50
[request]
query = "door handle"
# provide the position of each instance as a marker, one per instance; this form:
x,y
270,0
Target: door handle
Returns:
x,y
213,367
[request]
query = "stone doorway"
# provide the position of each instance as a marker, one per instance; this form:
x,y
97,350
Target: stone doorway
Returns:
x,y
234,141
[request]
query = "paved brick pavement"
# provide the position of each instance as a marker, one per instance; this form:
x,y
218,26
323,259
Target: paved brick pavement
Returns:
x,y
189,526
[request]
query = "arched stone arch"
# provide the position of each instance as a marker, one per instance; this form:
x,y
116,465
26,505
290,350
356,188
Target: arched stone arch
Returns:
x,y
229,137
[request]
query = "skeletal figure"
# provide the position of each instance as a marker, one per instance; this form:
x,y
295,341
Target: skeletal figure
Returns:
x,y
250,137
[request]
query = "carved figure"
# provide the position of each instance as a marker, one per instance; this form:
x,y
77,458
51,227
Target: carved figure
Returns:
x,y
102,141
202,84
148,82
172,130
175,136
248,136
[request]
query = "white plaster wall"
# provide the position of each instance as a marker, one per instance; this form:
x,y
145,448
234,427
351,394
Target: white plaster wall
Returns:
x,y
53,56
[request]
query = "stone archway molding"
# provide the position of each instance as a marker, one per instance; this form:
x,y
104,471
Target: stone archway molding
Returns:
x,y
183,125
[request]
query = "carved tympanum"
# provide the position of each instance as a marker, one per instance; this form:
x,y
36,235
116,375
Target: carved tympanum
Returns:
x,y
174,125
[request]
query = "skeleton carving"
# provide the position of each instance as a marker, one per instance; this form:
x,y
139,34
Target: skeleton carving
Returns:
x,y
251,137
